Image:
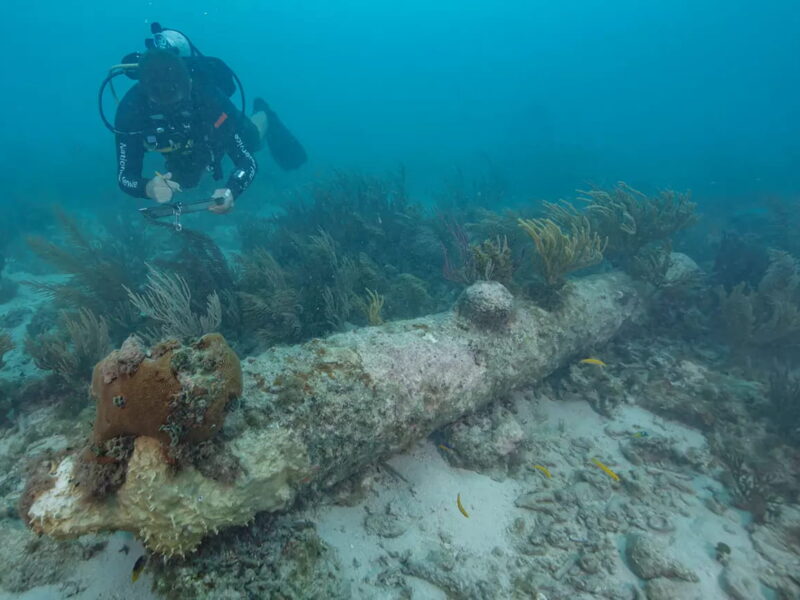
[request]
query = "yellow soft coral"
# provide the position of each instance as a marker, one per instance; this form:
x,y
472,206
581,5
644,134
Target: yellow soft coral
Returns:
x,y
374,306
559,252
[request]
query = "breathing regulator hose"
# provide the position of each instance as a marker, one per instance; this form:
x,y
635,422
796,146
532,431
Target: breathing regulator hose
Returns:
x,y
128,69
115,71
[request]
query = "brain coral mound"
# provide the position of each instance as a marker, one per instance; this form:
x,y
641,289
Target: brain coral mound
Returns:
x,y
175,394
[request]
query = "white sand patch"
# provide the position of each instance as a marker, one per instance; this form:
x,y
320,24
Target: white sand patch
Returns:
x,y
488,503
107,576
432,518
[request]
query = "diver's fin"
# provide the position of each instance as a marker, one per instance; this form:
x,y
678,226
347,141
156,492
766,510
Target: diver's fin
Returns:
x,y
284,147
260,105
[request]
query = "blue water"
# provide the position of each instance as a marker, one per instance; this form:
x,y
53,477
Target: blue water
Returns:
x,y
555,95
465,99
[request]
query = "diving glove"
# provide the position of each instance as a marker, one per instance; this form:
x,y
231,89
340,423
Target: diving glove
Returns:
x,y
161,188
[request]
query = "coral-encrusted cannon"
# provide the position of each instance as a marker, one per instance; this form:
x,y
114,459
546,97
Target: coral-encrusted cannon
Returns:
x,y
156,408
369,394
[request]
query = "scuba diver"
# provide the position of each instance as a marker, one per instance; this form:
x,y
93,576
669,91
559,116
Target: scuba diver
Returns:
x,y
181,107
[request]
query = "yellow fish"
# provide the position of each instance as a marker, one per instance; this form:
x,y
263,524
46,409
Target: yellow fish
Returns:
x,y
138,567
461,506
606,470
544,470
593,361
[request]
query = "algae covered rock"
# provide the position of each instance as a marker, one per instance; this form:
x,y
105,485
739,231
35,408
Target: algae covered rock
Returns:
x,y
488,442
681,268
647,557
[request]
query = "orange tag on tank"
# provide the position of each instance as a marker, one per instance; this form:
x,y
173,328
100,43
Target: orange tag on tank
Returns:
x,y
222,118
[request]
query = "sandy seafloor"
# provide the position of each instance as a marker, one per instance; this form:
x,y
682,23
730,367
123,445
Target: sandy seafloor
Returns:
x,y
427,503
405,536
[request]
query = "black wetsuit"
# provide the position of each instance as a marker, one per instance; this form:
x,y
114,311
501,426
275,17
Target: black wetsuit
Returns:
x,y
193,138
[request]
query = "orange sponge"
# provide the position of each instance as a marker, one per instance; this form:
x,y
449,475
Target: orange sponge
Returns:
x,y
174,393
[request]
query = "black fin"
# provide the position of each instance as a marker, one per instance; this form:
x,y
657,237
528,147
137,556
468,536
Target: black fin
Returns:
x,y
260,105
284,147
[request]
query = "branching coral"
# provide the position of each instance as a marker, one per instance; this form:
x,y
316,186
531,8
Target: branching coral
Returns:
x,y
631,220
339,277
737,315
753,485
374,306
349,234
71,352
98,274
202,264
560,252
740,259
778,226
270,306
168,301
312,289
681,302
102,268
408,297
769,316
352,195
488,261
461,268
651,264
492,261
362,214
466,260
